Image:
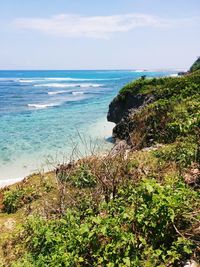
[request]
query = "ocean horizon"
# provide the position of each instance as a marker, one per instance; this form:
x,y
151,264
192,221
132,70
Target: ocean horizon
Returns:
x,y
46,113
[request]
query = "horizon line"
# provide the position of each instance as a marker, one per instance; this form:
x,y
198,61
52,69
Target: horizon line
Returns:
x,y
114,69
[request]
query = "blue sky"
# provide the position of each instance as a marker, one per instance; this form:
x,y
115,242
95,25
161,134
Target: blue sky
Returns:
x,y
106,34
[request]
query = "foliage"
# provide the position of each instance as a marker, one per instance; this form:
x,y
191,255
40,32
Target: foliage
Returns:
x,y
164,87
138,228
183,152
16,198
196,65
165,120
83,177
12,200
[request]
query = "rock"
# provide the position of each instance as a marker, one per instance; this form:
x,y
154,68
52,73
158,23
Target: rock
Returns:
x,y
152,148
182,73
123,129
121,146
10,224
191,263
121,105
122,108
192,176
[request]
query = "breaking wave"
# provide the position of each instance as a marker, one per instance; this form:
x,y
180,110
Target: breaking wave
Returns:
x,y
77,93
41,106
65,85
56,92
32,80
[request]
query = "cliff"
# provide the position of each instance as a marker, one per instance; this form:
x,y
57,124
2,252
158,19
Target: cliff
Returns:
x,y
147,111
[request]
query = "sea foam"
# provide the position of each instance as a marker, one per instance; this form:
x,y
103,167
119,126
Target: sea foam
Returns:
x,y
41,106
56,92
66,85
77,93
138,71
26,81
74,79
32,80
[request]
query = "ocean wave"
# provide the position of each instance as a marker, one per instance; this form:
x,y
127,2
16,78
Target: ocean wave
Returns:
x,y
75,96
80,79
41,80
56,92
138,71
42,106
65,85
95,85
77,93
56,85
26,81
32,80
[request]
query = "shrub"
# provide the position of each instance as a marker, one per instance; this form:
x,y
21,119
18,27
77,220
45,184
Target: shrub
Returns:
x,y
183,152
83,177
12,200
16,198
143,226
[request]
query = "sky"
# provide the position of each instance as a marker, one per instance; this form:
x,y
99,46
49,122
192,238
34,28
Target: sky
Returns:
x,y
99,34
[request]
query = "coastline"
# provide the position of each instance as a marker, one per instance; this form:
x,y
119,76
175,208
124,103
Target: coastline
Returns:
x,y
56,132
153,185
7,182
99,132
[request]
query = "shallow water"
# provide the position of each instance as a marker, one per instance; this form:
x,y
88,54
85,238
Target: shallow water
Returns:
x,y
45,114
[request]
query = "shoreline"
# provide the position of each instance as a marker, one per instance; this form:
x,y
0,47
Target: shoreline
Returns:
x,y
7,182
101,137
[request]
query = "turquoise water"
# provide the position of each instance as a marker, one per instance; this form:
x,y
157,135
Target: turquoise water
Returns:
x,y
45,114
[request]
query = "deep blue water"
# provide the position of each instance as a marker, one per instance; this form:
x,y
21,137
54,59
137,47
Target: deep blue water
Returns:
x,y
43,114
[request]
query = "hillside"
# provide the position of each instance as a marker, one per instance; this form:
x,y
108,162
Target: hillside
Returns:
x,y
162,110
196,65
137,206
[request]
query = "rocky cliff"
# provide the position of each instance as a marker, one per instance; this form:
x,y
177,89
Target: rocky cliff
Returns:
x,y
146,110
120,107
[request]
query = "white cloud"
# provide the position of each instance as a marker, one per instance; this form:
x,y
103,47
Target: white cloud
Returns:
x,y
96,27
68,25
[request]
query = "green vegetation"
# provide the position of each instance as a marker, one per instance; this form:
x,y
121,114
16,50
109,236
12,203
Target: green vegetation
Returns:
x,y
164,87
131,230
131,208
81,177
183,152
196,65
15,199
175,112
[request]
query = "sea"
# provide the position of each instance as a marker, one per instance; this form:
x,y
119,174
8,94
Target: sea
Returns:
x,y
51,117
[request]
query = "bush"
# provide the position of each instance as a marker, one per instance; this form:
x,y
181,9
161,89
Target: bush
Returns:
x,y
12,200
143,226
83,177
16,198
79,176
183,152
